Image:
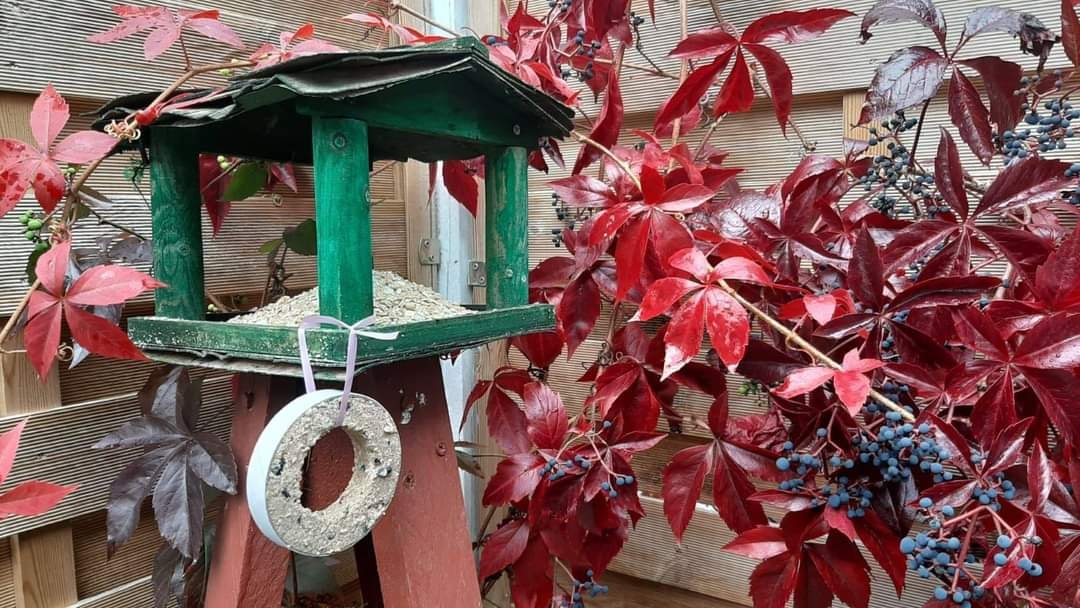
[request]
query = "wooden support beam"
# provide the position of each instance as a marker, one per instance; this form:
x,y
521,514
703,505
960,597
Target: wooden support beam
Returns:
x,y
506,222
43,559
422,545
343,217
44,563
247,569
176,205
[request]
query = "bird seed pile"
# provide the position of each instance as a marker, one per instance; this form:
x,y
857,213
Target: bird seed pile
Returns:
x,y
397,300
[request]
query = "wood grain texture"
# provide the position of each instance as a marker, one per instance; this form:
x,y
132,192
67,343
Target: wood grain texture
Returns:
x,y
506,224
343,217
329,346
44,568
43,562
176,206
21,390
630,592
247,569
56,446
422,544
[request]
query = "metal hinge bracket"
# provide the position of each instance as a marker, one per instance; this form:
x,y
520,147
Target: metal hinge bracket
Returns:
x,y
429,251
477,273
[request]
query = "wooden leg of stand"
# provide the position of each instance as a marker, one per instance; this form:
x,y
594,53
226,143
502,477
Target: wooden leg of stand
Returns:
x,y
247,569
422,545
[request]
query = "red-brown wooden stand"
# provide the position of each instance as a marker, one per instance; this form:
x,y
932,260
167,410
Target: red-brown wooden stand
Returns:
x,y
422,550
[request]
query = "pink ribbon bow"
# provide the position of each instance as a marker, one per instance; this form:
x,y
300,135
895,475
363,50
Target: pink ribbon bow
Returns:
x,y
356,329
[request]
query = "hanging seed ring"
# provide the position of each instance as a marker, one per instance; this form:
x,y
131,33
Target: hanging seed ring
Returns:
x,y
276,473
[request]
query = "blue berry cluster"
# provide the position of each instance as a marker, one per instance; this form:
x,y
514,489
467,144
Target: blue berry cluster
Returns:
x,y
893,170
915,268
585,588
1047,128
587,50
562,5
1073,196
938,557
1050,130
555,470
843,493
999,487
899,446
1005,542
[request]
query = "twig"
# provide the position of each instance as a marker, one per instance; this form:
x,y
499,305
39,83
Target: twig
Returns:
x,y
611,155
14,318
810,349
397,6
484,525
102,220
76,186
684,67
708,135
807,145
918,129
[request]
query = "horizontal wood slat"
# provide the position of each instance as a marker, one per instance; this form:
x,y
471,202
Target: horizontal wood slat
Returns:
x,y
699,565
56,447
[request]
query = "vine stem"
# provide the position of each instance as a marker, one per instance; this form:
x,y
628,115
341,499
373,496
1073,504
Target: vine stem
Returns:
x,y
684,68
795,338
585,139
397,6
76,186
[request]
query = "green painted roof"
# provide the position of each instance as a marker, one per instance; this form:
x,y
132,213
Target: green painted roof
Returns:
x,y
400,91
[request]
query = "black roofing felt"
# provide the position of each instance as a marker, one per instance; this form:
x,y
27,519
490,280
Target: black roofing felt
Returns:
x,y
261,103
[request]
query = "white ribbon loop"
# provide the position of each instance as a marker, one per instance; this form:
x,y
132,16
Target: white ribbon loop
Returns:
x,y
356,329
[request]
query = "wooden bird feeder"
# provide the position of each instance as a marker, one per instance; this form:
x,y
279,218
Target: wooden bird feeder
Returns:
x,y
340,113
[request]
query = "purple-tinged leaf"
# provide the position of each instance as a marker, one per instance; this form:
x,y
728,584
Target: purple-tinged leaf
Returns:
x,y
909,77
896,11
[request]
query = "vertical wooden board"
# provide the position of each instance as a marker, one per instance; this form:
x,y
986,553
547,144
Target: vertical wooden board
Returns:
x,y
44,569
343,217
7,579
96,573
176,205
246,568
21,391
506,225
43,560
422,544
419,221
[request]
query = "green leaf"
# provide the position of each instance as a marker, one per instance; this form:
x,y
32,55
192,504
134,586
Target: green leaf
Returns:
x,y
244,181
81,211
302,238
270,246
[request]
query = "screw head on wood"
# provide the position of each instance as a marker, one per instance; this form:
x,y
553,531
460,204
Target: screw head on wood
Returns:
x,y
440,448
339,141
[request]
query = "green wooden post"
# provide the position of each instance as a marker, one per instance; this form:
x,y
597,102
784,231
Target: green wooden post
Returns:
x,y
343,217
177,226
506,242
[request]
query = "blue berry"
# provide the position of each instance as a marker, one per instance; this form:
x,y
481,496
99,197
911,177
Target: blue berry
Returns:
x,y
925,503
1004,541
907,545
783,463
1000,560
